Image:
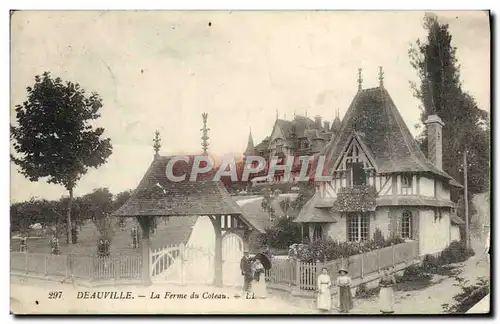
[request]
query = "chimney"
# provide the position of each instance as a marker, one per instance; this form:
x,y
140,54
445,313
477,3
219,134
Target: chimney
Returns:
x,y
435,140
326,125
317,121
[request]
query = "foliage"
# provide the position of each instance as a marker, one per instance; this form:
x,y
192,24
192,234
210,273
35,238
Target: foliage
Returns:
x,y
285,205
469,296
415,273
306,191
355,199
282,235
54,137
329,249
455,252
440,91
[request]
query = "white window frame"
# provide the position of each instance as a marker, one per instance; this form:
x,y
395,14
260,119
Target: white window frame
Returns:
x,y
406,222
359,222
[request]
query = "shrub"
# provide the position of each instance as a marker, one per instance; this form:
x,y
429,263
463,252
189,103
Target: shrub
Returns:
x,y
468,297
455,252
414,273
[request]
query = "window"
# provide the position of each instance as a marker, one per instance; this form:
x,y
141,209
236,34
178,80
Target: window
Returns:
x,y
356,175
279,149
304,144
318,232
406,181
406,224
357,227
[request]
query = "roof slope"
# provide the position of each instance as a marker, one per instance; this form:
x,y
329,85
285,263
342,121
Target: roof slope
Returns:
x,y
156,195
375,118
312,214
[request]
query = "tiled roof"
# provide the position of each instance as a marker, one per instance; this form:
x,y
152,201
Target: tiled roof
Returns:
x,y
158,196
375,118
311,214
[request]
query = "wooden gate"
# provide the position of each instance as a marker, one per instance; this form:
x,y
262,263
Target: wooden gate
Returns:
x,y
182,264
232,252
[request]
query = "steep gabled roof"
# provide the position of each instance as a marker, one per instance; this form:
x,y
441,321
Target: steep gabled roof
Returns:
x,y
156,195
375,118
250,150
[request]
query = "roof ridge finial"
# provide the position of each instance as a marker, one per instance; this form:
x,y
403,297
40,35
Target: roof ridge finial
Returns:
x,y
381,76
337,115
306,112
156,143
284,116
204,138
277,114
294,113
360,79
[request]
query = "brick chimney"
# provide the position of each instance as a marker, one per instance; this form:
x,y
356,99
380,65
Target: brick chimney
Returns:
x,y
435,140
317,121
326,125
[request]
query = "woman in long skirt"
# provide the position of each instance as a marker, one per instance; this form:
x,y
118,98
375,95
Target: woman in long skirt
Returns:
x,y
259,284
324,300
345,296
386,297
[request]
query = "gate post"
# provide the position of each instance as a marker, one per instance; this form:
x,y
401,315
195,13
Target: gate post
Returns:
x,y
181,254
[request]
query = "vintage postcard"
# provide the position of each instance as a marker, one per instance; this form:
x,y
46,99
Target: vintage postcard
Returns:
x,y
250,162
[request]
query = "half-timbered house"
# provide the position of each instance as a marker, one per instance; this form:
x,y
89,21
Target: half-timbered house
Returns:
x,y
380,179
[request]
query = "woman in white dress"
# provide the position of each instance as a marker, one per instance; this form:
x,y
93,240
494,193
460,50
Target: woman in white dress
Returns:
x,y
259,283
324,300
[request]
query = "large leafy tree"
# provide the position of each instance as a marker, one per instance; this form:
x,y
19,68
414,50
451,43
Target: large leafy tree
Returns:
x,y
440,92
54,137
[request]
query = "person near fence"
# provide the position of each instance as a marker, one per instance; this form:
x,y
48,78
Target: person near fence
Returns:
x,y
259,279
246,271
324,299
386,296
344,294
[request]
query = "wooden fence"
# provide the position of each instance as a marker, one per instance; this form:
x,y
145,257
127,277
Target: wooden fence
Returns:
x,y
284,272
92,268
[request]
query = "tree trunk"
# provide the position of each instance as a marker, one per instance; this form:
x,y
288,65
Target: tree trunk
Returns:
x,y
69,226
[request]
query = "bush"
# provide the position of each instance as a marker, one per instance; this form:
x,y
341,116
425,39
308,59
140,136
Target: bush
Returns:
x,y
282,235
414,273
456,252
328,249
468,297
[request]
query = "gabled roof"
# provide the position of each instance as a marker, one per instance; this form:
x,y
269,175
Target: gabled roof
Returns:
x,y
262,146
381,128
156,195
256,215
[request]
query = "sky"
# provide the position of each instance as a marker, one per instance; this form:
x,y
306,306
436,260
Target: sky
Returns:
x,y
160,70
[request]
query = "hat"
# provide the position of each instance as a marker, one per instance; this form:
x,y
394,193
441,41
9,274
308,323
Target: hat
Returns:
x,y
343,270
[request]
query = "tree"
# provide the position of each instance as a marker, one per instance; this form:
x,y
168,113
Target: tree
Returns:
x,y
282,235
440,92
54,137
121,198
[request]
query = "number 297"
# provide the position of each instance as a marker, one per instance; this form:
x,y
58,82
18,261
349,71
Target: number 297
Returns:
x,y
55,294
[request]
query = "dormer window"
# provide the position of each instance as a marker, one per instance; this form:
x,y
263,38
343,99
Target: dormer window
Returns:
x,y
279,149
356,174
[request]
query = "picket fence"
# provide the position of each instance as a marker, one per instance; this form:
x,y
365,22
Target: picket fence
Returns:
x,y
92,268
302,275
